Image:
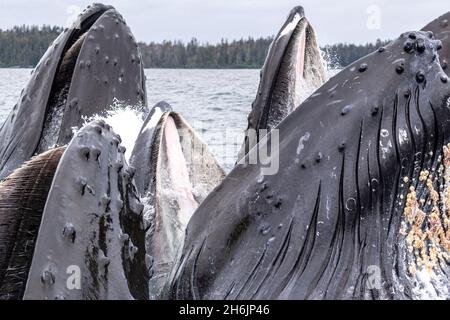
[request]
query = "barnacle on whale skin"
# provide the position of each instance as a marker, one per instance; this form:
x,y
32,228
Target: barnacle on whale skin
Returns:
x,y
425,224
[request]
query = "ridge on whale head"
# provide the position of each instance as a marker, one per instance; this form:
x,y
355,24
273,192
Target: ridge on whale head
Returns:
x,y
292,71
440,27
175,172
364,178
87,68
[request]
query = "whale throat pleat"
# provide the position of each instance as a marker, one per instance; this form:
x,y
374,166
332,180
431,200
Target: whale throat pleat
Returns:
x,y
22,199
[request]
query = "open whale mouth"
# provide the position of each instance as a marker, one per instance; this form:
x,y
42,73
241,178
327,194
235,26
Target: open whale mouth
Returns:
x,y
183,167
296,77
293,70
21,208
57,102
182,172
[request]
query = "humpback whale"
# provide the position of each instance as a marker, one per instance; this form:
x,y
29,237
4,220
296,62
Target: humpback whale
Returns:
x,y
87,68
71,224
293,70
358,209
175,172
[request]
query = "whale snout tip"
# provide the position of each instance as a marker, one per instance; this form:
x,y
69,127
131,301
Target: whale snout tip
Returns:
x,y
297,10
98,6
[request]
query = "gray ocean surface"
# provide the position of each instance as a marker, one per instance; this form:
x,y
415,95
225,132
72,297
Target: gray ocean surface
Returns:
x,y
214,102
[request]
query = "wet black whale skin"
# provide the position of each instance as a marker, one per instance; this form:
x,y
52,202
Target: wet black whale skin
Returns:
x,y
108,67
312,230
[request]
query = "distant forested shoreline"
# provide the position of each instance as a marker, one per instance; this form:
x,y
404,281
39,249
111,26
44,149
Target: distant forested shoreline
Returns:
x,y
22,46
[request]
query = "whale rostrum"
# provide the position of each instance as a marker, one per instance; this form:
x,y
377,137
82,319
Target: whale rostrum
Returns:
x,y
92,225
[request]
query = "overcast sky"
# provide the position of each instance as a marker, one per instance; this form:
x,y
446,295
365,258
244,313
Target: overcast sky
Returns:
x,y
357,21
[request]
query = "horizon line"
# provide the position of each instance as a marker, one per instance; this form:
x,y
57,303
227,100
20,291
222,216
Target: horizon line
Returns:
x,y
201,43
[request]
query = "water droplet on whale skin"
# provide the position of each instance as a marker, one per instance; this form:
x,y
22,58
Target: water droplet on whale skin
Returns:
x,y
265,229
350,204
47,277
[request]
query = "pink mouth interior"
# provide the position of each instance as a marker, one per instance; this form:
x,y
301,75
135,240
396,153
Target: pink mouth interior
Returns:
x,y
178,171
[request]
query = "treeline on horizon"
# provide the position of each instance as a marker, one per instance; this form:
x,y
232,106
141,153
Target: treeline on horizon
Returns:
x,y
23,46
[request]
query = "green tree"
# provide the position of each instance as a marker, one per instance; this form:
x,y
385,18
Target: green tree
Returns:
x,y
23,46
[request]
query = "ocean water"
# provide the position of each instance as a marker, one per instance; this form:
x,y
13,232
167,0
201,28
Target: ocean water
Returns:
x,y
214,102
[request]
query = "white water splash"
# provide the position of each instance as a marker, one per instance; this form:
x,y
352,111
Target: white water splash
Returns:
x,y
126,121
301,143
